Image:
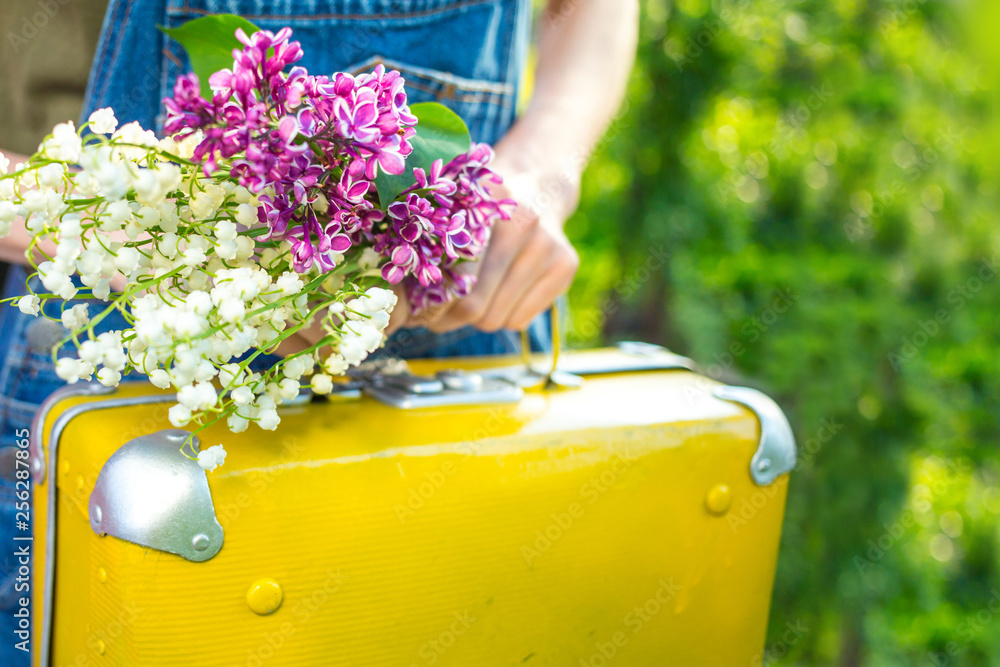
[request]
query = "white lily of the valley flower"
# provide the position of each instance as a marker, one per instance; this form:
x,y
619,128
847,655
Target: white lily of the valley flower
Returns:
x,y
102,290
246,215
76,317
51,176
159,378
56,279
29,305
64,144
266,413
212,458
322,383
132,133
296,367
91,352
288,389
103,121
289,283
242,396
200,396
108,377
335,364
237,423
73,370
179,415
369,259
127,260
8,212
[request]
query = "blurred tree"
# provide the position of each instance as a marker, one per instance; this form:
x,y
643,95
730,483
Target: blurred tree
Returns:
x,y
814,174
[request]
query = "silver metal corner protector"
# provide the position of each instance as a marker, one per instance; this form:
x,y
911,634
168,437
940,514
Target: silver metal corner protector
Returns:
x,y
775,453
43,468
150,494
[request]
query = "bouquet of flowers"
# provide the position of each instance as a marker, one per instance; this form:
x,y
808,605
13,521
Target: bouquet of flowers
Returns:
x,y
279,200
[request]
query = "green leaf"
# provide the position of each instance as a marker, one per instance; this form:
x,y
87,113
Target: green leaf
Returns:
x,y
209,42
441,134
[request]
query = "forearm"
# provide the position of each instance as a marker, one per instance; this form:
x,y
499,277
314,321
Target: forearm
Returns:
x,y
586,51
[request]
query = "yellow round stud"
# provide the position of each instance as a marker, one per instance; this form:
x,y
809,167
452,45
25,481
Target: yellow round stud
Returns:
x,y
264,596
102,575
101,647
719,499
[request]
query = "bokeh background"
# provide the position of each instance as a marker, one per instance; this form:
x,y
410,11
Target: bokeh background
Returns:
x,y
822,175
801,195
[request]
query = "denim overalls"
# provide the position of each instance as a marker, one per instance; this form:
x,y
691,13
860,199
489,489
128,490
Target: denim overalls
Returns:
x,y
467,54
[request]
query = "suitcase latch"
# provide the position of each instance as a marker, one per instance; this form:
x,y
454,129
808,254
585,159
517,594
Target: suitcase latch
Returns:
x,y
446,388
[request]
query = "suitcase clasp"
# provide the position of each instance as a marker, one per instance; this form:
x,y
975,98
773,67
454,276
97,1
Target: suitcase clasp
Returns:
x,y
448,387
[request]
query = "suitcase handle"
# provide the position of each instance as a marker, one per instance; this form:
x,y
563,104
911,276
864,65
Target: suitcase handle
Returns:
x,y
555,378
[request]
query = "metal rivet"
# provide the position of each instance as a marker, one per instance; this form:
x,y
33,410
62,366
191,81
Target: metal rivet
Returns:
x,y
764,465
36,466
102,575
200,542
264,596
719,499
96,515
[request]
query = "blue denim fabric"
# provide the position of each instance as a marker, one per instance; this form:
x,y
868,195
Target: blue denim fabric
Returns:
x,y
467,54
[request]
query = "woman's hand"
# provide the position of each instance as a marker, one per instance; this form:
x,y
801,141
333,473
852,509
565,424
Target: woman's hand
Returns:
x,y
528,263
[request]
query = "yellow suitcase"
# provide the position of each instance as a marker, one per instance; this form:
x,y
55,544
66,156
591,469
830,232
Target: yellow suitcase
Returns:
x,y
435,514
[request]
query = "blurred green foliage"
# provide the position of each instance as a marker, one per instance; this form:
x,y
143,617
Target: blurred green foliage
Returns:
x,y
821,175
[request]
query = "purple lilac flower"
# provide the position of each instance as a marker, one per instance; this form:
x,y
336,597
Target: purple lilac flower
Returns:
x,y
451,229
452,286
316,243
254,69
366,116
311,146
472,176
285,134
408,241
443,220
187,110
356,121
434,181
351,205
